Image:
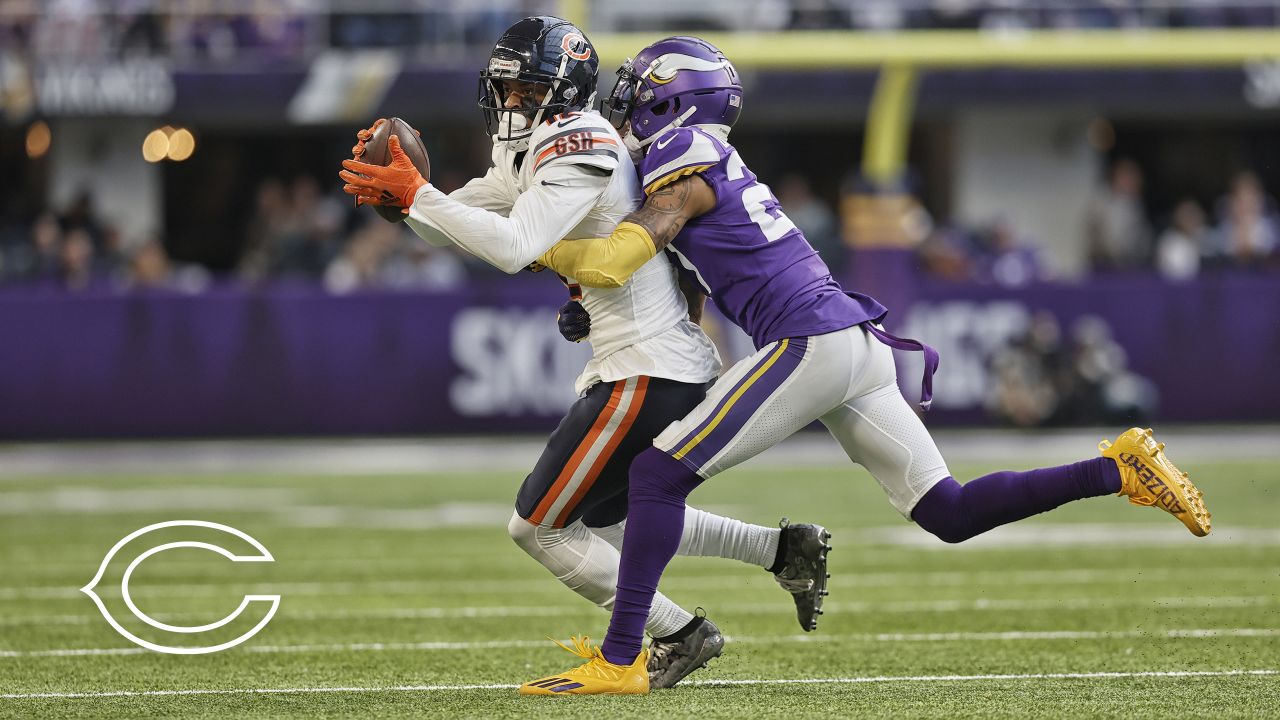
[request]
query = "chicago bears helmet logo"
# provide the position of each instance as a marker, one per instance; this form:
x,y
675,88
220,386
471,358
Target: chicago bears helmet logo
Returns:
x,y
576,47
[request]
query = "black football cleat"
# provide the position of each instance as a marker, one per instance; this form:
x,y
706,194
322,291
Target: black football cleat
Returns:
x,y
671,662
804,573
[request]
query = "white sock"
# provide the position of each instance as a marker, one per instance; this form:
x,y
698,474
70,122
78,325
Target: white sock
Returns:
x,y
665,617
707,535
588,565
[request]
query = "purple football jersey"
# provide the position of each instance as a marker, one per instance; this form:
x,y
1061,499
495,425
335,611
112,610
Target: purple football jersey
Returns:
x,y
747,255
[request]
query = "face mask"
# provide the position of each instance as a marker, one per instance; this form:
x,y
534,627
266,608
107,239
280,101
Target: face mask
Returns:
x,y
513,123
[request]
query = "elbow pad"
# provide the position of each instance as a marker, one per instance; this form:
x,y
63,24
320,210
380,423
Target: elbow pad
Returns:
x,y
603,262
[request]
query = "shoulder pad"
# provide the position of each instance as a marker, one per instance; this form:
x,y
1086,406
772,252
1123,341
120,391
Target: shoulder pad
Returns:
x,y
677,153
582,138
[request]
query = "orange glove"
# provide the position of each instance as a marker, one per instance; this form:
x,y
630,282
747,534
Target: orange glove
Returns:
x,y
363,136
393,185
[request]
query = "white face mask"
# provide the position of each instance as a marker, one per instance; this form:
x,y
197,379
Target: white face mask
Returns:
x,y
514,124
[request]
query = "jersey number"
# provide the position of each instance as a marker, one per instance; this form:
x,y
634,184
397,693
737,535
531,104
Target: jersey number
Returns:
x,y
756,199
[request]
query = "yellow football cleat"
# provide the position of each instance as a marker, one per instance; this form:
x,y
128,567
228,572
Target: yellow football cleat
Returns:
x,y
597,676
1149,478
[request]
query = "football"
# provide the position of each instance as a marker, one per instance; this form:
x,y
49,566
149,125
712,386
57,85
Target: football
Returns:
x,y
377,152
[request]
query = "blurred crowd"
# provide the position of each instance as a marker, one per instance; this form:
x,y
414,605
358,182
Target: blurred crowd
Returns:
x,y
297,232
75,250
256,30
300,230
224,30
1030,14
1240,231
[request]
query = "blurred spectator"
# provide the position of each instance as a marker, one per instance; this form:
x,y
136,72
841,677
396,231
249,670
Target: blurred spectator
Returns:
x,y
1117,232
1025,375
419,265
947,254
1181,245
1247,233
46,245
1010,262
293,232
151,267
814,218
80,215
1102,389
75,260
827,15
385,255
270,216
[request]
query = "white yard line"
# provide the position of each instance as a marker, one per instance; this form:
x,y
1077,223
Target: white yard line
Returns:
x,y
1155,674
888,606
908,578
1005,636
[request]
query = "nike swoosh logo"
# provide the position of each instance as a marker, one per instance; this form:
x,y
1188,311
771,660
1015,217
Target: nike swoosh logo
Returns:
x,y
661,144
565,122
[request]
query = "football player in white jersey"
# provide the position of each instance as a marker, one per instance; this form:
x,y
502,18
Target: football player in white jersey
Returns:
x,y
561,171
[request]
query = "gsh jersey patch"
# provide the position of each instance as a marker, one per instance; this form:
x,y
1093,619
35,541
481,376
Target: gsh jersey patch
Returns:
x,y
574,143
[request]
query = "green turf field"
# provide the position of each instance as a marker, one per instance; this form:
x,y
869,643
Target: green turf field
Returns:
x,y
400,591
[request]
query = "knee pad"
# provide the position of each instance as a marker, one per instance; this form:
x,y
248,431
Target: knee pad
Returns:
x,y
942,512
523,532
582,561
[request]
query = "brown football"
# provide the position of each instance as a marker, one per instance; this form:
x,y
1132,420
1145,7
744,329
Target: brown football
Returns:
x,y
376,152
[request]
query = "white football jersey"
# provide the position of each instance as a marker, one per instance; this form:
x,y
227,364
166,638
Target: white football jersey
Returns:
x,y
575,181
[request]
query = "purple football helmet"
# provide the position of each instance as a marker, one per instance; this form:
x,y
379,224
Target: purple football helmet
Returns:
x,y
674,82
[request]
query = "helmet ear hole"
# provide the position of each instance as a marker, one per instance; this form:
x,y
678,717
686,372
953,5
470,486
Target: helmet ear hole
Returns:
x,y
661,108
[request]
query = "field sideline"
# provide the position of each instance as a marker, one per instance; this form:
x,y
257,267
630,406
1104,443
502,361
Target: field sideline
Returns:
x,y
401,594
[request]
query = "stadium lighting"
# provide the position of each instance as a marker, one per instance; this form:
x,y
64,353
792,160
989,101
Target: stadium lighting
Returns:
x,y
156,145
39,138
182,144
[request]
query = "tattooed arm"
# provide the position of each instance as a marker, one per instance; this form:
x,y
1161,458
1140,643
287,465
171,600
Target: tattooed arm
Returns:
x,y
609,262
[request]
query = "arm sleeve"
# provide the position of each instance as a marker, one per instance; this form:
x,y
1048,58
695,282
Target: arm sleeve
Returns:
x,y
540,216
486,192
602,262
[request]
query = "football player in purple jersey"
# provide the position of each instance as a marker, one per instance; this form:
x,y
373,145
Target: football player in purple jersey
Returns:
x,y
821,355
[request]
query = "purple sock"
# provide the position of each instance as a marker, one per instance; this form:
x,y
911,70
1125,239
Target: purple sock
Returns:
x,y
956,512
655,522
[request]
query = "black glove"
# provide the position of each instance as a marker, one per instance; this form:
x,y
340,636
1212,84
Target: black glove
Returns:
x,y
574,322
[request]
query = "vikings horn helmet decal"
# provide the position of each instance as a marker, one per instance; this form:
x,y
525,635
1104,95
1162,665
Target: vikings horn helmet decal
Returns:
x,y
665,68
